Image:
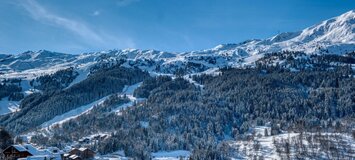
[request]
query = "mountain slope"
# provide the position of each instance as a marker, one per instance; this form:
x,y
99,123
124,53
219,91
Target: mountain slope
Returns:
x,y
336,35
333,36
148,100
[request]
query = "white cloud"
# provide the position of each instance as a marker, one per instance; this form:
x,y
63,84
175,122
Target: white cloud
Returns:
x,y
104,40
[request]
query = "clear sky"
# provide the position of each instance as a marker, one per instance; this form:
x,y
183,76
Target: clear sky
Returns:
x,y
77,26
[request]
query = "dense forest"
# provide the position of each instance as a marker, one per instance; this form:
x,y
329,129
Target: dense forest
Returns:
x,y
181,115
11,88
55,102
58,80
298,94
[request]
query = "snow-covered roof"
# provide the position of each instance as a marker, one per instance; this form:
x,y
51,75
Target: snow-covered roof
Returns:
x,y
42,157
30,148
19,148
73,156
53,148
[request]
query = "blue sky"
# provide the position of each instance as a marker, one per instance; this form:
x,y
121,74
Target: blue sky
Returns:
x,y
77,26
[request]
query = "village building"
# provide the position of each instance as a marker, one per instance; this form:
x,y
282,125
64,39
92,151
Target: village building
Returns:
x,y
74,151
86,153
15,152
29,152
80,154
74,157
40,157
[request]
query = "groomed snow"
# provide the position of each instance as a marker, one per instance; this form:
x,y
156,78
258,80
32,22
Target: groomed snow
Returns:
x,y
128,91
122,107
171,155
72,114
7,106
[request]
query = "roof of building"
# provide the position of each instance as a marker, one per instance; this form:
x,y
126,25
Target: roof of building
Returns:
x,y
19,148
33,150
73,156
38,153
73,149
41,157
53,148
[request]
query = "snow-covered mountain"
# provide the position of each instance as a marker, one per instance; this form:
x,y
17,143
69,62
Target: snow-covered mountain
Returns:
x,y
121,102
333,36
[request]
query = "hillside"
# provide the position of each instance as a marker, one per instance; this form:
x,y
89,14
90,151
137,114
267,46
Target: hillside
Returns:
x,y
205,104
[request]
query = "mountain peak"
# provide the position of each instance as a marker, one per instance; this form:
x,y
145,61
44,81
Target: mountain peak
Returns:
x,y
336,35
348,15
336,29
332,36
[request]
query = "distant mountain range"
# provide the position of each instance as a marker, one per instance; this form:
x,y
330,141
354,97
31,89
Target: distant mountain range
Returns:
x,y
132,100
333,36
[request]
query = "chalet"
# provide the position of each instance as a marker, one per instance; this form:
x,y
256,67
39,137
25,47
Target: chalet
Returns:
x,y
87,153
29,152
40,157
74,151
15,152
71,157
74,157
80,154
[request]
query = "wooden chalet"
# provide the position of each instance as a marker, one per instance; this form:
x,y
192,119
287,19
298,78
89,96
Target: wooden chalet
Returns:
x,y
86,153
80,154
75,157
74,151
15,152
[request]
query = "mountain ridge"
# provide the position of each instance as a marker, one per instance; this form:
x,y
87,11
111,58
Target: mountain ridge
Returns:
x,y
207,102
347,18
333,36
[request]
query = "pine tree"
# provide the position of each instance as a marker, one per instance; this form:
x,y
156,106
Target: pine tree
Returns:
x,y
5,139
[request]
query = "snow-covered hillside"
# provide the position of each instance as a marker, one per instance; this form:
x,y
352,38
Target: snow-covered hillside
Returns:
x,y
333,36
301,145
273,102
